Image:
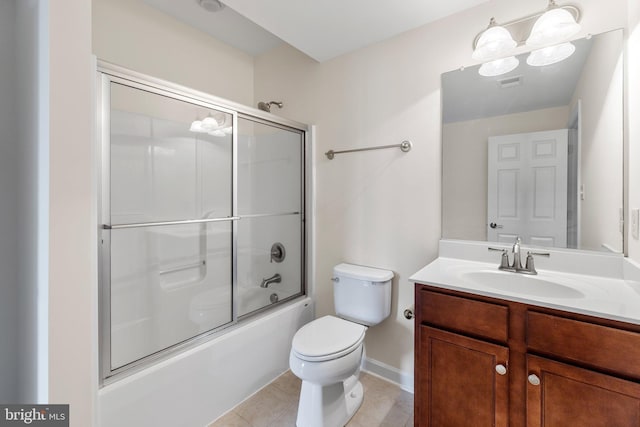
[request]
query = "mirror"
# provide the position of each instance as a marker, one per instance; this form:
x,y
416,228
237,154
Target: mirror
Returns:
x,y
537,152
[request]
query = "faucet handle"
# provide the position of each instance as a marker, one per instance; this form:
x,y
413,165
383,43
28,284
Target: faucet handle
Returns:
x,y
529,266
504,259
545,254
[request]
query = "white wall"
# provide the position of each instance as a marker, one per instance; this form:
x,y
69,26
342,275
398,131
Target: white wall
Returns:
x,y
464,175
382,208
9,197
132,34
72,356
632,98
600,88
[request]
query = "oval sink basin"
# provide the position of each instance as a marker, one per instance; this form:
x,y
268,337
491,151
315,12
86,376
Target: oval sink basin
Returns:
x,y
516,283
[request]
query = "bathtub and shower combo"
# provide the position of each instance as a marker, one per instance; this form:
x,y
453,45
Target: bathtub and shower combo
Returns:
x,y
203,247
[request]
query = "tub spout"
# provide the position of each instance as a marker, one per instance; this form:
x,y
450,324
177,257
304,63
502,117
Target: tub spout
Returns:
x,y
276,278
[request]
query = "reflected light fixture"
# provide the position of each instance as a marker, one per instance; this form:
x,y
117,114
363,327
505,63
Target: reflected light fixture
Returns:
x,y
548,31
499,66
212,126
551,54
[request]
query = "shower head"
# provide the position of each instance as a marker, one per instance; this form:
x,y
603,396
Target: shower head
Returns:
x,y
266,106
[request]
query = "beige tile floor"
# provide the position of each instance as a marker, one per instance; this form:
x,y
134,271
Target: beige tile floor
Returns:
x,y
276,405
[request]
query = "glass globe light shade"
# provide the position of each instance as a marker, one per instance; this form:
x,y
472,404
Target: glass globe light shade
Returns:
x,y
554,26
495,42
550,55
499,66
196,126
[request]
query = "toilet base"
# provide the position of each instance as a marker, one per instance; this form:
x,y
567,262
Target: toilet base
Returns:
x,y
329,406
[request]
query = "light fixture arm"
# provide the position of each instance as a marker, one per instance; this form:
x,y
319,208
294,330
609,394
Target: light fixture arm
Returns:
x,y
530,19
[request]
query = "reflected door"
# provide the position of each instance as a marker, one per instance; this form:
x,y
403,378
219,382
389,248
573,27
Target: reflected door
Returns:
x,y
527,188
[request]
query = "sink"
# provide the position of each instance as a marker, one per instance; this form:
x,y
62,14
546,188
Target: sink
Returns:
x,y
516,283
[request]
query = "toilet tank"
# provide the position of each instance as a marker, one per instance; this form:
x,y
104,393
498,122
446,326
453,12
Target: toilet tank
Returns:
x,y
362,294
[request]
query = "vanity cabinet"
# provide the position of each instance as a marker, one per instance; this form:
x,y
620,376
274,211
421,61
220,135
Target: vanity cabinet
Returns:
x,y
559,394
461,380
488,362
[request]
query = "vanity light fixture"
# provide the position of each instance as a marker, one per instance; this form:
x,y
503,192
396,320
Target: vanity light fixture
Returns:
x,y
556,25
494,42
548,30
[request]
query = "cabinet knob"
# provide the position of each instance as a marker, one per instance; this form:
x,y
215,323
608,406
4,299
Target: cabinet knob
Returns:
x,y
501,369
534,379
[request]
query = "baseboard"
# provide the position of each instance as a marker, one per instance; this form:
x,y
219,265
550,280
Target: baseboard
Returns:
x,y
402,379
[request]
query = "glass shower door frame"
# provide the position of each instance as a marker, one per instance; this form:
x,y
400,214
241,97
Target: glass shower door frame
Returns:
x,y
108,73
303,203
104,82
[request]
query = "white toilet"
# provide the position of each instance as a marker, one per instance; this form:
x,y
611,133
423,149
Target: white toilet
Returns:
x,y
326,353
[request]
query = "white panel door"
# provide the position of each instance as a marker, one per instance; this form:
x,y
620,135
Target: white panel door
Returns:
x,y
527,188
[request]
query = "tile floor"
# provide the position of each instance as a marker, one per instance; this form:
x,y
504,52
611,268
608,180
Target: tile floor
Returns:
x,y
276,405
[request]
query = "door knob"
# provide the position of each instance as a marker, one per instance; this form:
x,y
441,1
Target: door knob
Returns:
x,y
501,369
494,225
533,379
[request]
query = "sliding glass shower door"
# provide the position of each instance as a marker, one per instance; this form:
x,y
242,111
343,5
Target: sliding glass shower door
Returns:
x,y
270,203
202,219
170,208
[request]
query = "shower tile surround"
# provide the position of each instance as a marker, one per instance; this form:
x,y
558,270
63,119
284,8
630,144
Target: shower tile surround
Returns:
x,y
276,405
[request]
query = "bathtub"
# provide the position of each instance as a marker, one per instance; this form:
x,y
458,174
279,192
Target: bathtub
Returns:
x,y
197,386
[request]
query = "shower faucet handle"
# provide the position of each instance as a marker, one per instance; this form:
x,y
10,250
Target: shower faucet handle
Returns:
x,y
278,253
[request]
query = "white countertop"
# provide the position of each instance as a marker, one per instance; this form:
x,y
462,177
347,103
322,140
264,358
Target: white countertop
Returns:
x,y
609,296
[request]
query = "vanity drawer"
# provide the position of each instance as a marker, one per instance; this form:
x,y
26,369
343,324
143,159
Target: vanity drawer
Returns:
x,y
465,315
610,349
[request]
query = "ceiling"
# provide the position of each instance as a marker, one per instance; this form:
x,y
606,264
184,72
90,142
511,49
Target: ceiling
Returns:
x,y
321,29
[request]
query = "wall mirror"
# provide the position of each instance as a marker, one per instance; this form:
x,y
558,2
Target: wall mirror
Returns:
x,y
537,152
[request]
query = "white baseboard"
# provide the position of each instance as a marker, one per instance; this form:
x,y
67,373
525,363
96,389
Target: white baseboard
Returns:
x,y
404,380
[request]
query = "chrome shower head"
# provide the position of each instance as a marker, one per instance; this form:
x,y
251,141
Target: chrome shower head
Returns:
x,y
266,106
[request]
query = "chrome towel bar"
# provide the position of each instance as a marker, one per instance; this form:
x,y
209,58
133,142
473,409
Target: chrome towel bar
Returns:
x,y
405,146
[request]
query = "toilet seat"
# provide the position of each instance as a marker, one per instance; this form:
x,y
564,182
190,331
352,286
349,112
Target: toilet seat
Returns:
x,y
327,338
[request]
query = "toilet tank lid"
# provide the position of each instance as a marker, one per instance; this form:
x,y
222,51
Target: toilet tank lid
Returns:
x,y
361,272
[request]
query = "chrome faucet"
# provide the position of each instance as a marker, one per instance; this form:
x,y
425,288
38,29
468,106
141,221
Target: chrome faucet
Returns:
x,y
516,266
276,278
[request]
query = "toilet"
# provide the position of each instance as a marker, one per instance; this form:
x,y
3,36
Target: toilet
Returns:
x,y
326,353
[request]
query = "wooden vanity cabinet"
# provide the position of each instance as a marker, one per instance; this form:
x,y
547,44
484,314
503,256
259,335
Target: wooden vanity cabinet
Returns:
x,y
460,385
559,394
487,362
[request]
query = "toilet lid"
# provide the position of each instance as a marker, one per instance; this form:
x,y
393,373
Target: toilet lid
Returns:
x,y
326,338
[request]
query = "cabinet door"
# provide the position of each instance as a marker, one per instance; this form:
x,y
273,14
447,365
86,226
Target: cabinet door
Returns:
x,y
564,395
460,381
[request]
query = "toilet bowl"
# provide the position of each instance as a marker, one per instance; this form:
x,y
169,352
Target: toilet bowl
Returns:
x,y
326,353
